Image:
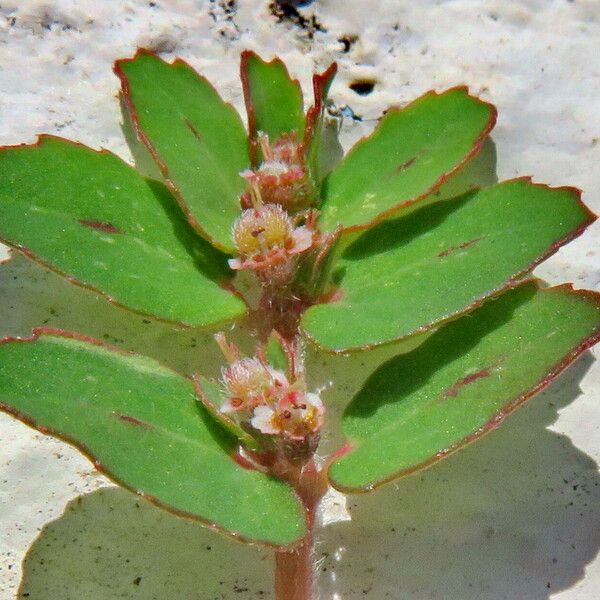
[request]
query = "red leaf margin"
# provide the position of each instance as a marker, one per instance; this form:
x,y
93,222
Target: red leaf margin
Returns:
x,y
125,95
513,281
38,332
445,177
321,83
509,408
224,284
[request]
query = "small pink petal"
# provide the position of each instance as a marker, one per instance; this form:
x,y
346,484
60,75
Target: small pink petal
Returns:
x,y
303,239
278,377
314,400
248,174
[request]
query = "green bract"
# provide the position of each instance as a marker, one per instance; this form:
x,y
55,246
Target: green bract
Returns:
x,y
415,253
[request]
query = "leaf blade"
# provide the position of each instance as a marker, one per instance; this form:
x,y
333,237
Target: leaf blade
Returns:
x,y
273,99
141,424
92,218
210,393
412,152
409,275
462,382
197,140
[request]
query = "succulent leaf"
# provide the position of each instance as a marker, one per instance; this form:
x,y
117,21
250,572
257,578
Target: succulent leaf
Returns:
x,y
462,382
273,99
413,151
197,140
408,275
141,425
95,220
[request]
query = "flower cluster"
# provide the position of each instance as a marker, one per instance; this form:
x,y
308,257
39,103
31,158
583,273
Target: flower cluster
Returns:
x,y
281,178
267,242
266,236
261,398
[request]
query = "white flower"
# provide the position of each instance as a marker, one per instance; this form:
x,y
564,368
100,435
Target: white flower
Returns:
x,y
264,420
296,415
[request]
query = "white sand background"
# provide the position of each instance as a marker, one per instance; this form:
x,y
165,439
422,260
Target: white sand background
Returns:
x,y
515,516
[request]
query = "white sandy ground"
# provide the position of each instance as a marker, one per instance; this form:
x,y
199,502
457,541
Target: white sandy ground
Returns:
x,y
516,516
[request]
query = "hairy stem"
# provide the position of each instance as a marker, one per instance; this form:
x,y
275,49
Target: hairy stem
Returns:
x,y
294,572
294,569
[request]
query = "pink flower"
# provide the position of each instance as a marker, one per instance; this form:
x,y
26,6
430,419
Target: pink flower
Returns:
x,y
265,238
296,416
261,397
282,178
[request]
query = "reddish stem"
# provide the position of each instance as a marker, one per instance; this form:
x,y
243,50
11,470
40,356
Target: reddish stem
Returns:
x,y
294,577
294,569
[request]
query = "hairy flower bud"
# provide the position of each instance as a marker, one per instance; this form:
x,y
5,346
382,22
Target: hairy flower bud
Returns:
x,y
249,383
262,230
281,178
261,398
266,238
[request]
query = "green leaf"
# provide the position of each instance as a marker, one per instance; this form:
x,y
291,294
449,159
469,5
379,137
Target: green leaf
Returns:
x,y
141,425
478,172
197,140
412,152
462,382
275,353
409,275
144,162
323,150
273,100
95,220
211,395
